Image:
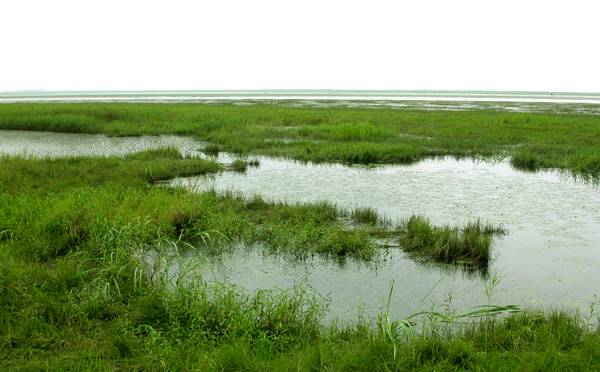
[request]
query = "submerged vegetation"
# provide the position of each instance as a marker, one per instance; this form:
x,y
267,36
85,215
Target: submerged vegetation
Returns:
x,y
532,140
75,293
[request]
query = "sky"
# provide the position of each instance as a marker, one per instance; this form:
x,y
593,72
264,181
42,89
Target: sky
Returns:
x,y
526,45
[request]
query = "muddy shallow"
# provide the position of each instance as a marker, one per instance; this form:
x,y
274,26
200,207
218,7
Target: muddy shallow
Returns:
x,y
550,257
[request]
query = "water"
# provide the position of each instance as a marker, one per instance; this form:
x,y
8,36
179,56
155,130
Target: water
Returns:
x,y
549,258
54,145
588,103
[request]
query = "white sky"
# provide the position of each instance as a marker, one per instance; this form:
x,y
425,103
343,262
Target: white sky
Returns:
x,y
302,44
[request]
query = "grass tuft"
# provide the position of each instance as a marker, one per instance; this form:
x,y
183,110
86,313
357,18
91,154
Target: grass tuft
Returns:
x,y
239,165
365,215
212,149
470,244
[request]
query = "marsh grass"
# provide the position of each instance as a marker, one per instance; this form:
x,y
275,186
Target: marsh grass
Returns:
x,y
212,149
67,208
365,215
75,293
239,165
19,174
469,244
532,140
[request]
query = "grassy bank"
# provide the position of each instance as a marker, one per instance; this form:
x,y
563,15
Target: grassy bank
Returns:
x,y
532,140
56,205
22,175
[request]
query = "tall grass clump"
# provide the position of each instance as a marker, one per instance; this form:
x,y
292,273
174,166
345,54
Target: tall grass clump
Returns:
x,y
469,244
529,160
239,165
212,149
365,215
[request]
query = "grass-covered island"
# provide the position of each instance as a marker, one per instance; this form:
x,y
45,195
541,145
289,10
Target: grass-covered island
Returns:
x,y
76,294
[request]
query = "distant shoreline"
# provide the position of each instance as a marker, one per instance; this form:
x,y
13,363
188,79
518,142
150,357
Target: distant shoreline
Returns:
x,y
299,95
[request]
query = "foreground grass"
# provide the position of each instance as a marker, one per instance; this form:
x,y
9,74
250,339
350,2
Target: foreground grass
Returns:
x,y
98,311
532,140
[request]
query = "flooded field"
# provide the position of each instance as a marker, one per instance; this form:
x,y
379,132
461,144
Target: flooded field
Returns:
x,y
549,257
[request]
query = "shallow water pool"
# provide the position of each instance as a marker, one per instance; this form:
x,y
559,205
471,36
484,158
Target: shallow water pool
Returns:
x,y
550,257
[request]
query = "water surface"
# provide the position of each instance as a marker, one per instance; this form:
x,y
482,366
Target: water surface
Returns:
x,y
550,256
54,145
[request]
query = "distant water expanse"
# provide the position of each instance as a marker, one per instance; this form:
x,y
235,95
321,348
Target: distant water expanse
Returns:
x,y
432,100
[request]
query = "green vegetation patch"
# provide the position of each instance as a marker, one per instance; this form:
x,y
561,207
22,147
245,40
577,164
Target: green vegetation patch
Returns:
x,y
21,175
365,215
351,135
469,244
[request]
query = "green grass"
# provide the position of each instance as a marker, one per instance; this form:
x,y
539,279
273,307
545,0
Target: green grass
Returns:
x,y
74,293
239,165
470,244
365,215
212,149
55,204
19,175
532,140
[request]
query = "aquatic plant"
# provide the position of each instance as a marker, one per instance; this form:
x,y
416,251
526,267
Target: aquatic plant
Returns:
x,y
365,215
470,243
212,149
239,165
20,175
75,294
